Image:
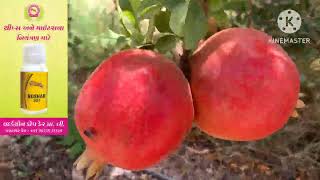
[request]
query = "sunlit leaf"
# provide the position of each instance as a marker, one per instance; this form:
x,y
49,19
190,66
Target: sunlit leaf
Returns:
x,y
128,21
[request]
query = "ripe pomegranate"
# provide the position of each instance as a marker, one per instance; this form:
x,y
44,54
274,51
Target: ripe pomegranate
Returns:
x,y
134,109
244,86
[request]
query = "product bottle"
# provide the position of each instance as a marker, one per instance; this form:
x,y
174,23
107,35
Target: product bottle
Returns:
x,y
34,80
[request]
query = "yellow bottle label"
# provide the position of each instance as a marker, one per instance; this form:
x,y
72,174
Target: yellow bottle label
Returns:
x,y
34,90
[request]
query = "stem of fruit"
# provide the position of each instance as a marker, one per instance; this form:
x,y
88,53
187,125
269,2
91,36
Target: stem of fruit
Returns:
x,y
184,63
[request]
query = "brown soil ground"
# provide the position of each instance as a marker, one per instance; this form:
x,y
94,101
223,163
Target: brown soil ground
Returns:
x,y
199,158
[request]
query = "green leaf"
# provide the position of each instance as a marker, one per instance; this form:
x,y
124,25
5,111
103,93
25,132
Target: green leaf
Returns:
x,y
129,21
125,5
166,43
122,42
148,8
130,5
171,4
189,21
221,18
135,4
67,141
215,5
149,12
148,3
137,38
178,17
216,10
110,39
162,21
239,5
196,25
76,150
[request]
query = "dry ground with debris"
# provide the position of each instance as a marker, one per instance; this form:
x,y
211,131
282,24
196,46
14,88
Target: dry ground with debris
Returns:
x,y
292,153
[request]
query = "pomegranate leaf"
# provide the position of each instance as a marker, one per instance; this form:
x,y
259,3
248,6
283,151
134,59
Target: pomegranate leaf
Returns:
x,y
162,21
166,43
195,18
178,17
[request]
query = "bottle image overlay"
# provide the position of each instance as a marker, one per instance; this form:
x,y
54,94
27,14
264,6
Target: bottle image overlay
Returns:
x,y
34,80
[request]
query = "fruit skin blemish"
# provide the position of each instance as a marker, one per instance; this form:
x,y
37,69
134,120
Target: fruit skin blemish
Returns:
x,y
34,80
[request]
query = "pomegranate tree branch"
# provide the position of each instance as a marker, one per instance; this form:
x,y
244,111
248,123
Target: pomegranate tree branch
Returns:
x,y
250,13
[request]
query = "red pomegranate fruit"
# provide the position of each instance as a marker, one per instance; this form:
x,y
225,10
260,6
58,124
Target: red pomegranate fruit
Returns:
x,y
134,109
244,86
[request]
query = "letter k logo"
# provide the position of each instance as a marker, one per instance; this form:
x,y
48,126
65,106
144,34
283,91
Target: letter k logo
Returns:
x,y
289,21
